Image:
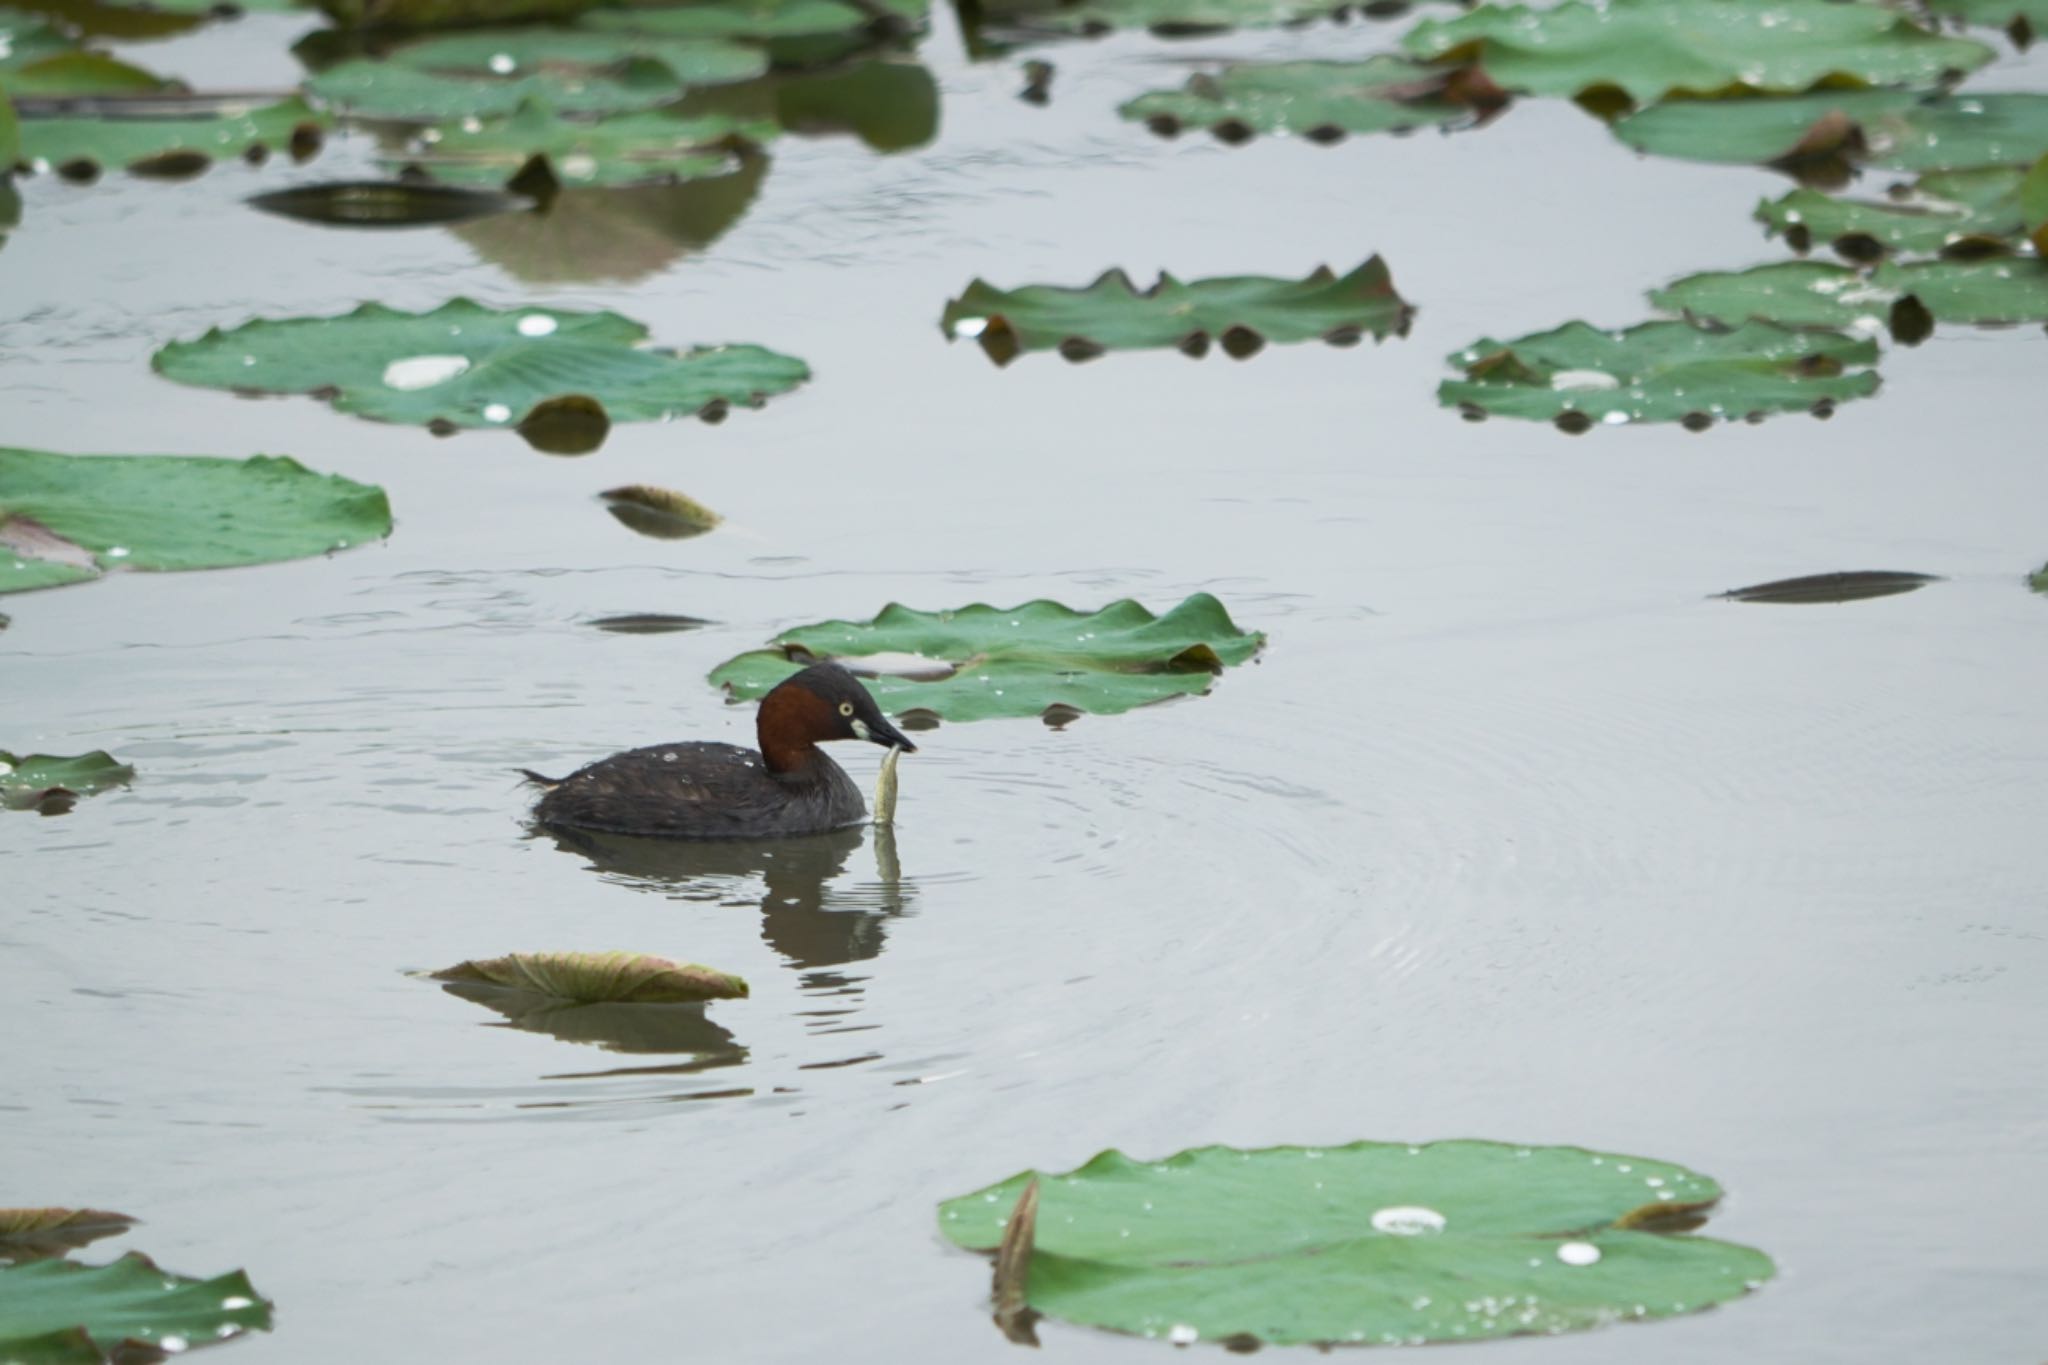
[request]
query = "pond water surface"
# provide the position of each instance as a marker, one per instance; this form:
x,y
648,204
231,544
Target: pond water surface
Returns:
x,y
1511,832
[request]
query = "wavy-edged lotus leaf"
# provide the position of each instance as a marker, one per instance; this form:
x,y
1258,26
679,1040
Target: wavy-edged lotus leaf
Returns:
x,y
65,518
51,785
615,234
625,149
983,663
494,72
1322,101
465,365
1375,1242
1972,212
1242,312
58,1312
1817,294
32,1234
600,978
1886,129
172,145
1855,585
1579,375
1647,50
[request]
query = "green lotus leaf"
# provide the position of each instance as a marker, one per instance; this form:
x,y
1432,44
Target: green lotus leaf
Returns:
x,y
209,8
1323,101
464,365
494,72
65,518
1374,1242
1885,129
52,785
2033,206
892,106
625,149
595,978
32,1234
1242,312
59,1311
40,60
1647,50
171,143
2039,580
1973,211
10,138
1816,294
1580,375
1039,659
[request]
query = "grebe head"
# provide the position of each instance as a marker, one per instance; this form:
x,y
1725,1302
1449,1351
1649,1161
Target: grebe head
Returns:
x,y
824,702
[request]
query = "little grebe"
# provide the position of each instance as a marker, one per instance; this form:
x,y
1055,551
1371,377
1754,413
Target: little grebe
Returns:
x,y
701,790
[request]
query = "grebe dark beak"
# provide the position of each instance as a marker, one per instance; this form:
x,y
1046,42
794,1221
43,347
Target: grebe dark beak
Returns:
x,y
880,731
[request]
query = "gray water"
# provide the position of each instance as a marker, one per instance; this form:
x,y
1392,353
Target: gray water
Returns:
x,y
1510,833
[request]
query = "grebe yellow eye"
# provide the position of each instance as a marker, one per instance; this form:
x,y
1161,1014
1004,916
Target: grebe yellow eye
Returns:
x,y
846,708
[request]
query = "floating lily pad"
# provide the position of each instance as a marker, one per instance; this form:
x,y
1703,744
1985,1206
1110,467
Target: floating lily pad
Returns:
x,y
481,75
10,137
594,978
1641,51
464,365
1242,313
796,33
51,786
982,662
1854,586
426,14
1580,375
33,1234
80,146
1884,129
626,149
65,518
57,1312
1375,1242
1816,294
1974,212
41,61
661,513
384,204
1171,18
1322,101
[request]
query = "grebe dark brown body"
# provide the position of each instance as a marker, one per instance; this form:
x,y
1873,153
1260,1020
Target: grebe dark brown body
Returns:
x,y
702,790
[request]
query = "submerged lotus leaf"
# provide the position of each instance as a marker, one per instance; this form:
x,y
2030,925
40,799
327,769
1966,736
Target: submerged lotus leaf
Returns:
x,y
1323,101
60,1312
1374,1242
1162,16
1975,211
82,514
1886,129
426,14
465,365
1816,294
51,785
175,143
1242,312
1647,50
32,1234
1579,375
595,978
625,149
10,140
982,663
493,72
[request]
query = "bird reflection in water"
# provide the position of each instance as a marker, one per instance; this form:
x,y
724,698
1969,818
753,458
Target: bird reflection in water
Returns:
x,y
813,913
